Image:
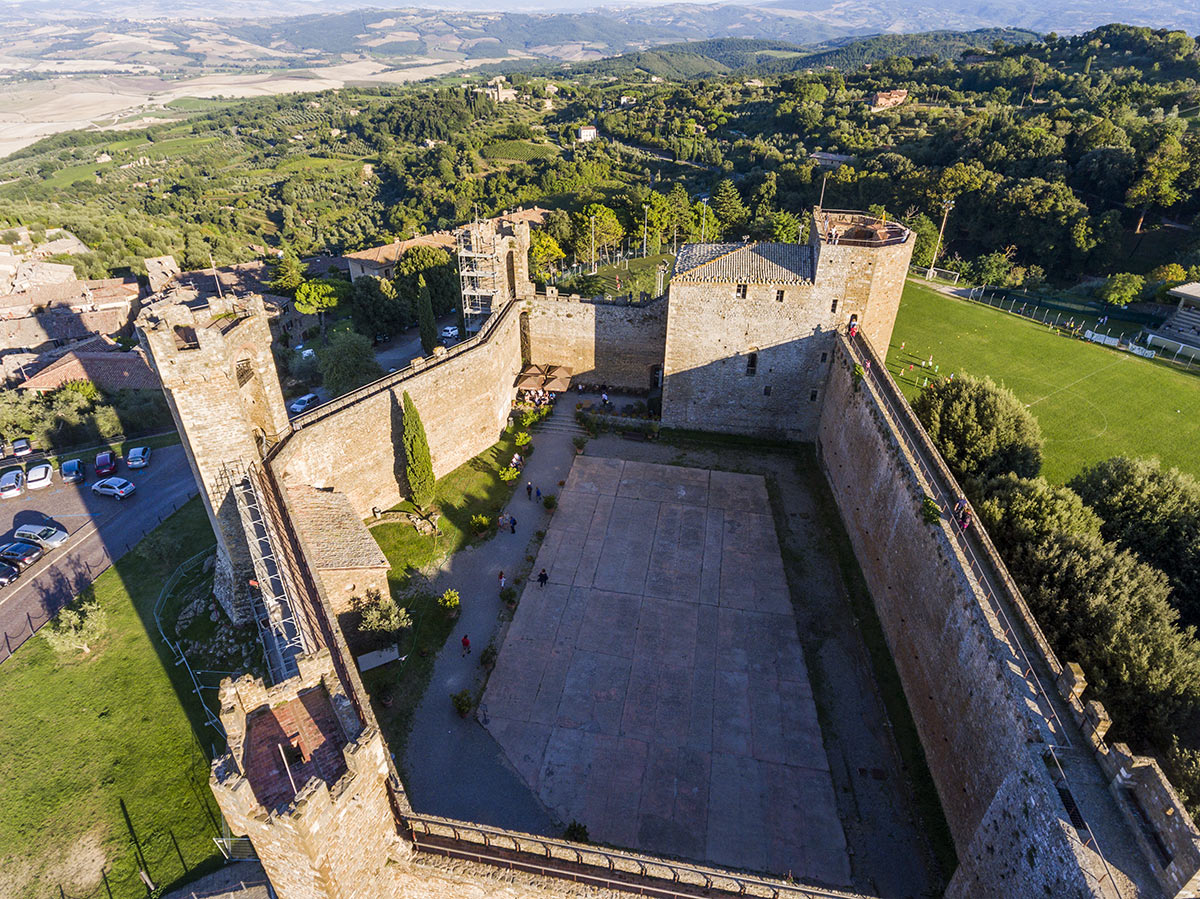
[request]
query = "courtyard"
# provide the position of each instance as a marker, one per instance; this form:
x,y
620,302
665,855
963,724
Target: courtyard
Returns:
x,y
655,689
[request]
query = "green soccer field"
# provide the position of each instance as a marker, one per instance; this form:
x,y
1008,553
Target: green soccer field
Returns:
x,y
1091,402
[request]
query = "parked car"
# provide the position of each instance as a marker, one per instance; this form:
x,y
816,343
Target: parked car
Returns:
x,y
8,574
22,446
72,471
20,554
450,332
44,535
304,402
39,476
12,483
115,487
106,463
139,457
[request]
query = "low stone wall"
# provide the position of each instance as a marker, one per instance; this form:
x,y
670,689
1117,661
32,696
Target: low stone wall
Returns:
x,y
980,737
617,344
463,397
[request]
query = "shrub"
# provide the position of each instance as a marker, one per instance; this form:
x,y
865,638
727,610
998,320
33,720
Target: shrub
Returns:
x,y
380,614
930,510
550,501
580,441
487,658
77,626
480,523
576,832
463,702
450,600
523,438
508,595
508,473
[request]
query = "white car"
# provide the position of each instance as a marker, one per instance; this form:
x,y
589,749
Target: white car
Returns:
x,y
450,332
39,476
115,487
139,457
304,402
22,447
12,483
46,535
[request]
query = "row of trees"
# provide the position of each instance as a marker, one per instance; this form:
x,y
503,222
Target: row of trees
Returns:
x,y
1109,564
79,413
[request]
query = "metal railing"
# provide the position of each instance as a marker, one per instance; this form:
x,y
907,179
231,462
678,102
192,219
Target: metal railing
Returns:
x,y
937,477
595,865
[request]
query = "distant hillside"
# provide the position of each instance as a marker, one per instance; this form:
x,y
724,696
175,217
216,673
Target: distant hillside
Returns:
x,y
723,56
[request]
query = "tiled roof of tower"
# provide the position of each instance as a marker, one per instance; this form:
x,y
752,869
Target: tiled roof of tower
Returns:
x,y
745,263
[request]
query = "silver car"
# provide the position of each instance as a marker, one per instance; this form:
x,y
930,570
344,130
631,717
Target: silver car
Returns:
x,y
139,457
12,483
45,535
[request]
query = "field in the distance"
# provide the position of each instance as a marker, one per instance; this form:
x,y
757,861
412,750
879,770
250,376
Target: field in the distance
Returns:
x,y
1091,402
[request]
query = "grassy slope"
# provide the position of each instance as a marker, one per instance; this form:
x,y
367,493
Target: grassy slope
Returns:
x,y
471,489
1091,402
78,736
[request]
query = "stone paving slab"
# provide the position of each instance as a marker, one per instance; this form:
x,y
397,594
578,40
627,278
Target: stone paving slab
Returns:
x,y
655,690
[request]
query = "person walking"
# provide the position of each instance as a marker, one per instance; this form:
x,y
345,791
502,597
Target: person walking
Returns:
x,y
503,580
529,489
539,494
543,578
960,507
512,523
466,644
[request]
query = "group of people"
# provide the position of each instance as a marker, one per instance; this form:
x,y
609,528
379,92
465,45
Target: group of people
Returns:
x,y
516,462
831,233
962,513
539,397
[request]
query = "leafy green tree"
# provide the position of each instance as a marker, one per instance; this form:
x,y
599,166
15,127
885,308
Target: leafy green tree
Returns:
x,y
1021,512
728,206
1122,289
288,274
558,226
982,430
316,298
1154,512
1100,606
679,214
1158,184
375,306
925,233
425,320
418,465
348,362
380,614
705,224
544,253
608,230
785,227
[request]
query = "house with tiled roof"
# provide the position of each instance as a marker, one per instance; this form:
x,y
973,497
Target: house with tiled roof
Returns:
x,y
106,366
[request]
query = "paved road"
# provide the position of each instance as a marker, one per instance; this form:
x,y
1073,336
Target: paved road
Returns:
x,y
101,530
404,347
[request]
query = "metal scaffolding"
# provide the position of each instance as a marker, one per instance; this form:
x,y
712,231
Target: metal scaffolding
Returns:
x,y
272,592
479,271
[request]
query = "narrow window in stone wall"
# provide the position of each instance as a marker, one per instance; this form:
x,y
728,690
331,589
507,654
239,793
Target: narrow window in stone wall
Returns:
x,y
833,305
812,396
767,390
245,371
779,296
824,357
752,364
741,291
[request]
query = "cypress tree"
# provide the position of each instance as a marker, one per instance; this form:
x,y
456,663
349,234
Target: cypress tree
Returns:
x,y
418,464
425,320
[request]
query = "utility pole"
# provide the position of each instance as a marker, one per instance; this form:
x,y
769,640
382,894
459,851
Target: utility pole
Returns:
x,y
645,226
821,202
946,207
593,244
704,222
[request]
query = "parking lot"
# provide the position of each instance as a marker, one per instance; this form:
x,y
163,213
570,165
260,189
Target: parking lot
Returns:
x,y
101,530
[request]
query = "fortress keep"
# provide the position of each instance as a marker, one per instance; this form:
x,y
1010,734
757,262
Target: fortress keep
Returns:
x,y
750,339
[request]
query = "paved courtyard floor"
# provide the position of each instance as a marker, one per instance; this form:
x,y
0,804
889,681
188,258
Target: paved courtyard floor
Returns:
x,y
655,690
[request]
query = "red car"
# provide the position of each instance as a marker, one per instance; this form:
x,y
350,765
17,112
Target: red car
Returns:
x,y
106,463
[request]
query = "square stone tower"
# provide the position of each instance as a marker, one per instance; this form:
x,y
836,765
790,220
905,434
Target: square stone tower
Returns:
x,y
307,783
750,325
213,356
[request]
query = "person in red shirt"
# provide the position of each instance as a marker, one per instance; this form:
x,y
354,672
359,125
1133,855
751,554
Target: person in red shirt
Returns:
x,y
466,643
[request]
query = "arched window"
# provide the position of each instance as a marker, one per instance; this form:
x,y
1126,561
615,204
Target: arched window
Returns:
x,y
751,364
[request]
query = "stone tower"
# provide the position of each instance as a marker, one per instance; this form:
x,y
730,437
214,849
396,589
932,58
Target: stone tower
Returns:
x,y
750,326
307,783
213,356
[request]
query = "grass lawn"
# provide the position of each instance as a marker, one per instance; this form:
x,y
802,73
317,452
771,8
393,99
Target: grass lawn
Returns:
x,y
636,276
471,489
1091,402
79,736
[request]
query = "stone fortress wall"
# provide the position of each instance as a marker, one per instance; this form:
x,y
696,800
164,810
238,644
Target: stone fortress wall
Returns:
x,y
968,697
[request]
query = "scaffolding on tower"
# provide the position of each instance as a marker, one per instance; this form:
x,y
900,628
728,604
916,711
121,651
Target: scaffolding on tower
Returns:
x,y
479,271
